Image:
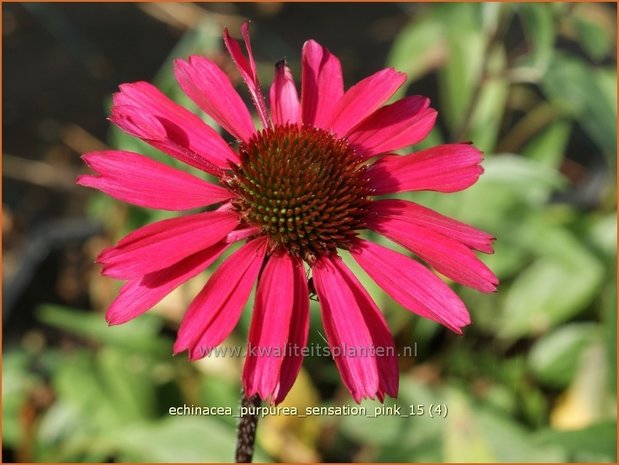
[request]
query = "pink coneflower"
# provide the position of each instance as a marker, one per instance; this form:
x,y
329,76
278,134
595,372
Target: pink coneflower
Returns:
x,y
295,192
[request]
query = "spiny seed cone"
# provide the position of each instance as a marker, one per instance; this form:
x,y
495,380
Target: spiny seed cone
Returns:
x,y
305,189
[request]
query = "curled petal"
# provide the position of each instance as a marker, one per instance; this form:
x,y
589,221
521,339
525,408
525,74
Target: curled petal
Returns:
x,y
444,168
143,111
283,96
247,70
141,181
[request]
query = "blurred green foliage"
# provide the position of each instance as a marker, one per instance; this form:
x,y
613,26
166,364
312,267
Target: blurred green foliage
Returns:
x,y
532,379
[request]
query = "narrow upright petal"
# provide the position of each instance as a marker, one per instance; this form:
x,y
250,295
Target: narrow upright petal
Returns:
x,y
161,244
416,214
283,96
247,70
444,168
355,328
448,256
362,99
412,285
297,334
270,324
322,83
210,88
403,123
138,180
145,112
217,308
141,294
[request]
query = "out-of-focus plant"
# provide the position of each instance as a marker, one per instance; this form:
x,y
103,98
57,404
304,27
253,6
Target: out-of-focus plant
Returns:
x,y
533,379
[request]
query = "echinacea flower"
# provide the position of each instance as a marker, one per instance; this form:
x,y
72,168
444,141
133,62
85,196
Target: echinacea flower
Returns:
x,y
295,193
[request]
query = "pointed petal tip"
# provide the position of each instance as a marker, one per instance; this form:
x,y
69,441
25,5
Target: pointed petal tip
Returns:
x,y
81,179
179,346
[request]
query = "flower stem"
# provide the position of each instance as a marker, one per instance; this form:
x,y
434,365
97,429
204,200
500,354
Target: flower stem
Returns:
x,y
246,430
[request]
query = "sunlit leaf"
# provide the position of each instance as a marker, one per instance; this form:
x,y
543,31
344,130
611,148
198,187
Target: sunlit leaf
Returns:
x,y
587,401
547,293
555,357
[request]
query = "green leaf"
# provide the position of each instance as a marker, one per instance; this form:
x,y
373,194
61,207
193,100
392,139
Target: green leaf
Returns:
x,y
510,442
141,334
540,32
515,172
555,287
555,357
389,432
179,439
548,146
367,429
609,323
127,378
594,29
462,437
417,49
463,29
596,443
591,98
488,112
79,388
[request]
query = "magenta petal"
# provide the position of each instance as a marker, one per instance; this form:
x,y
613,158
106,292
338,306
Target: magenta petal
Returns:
x,y
421,216
297,335
143,111
382,340
210,88
362,99
322,83
268,333
444,168
450,257
404,123
247,70
141,181
412,285
217,308
161,244
348,334
283,97
141,294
